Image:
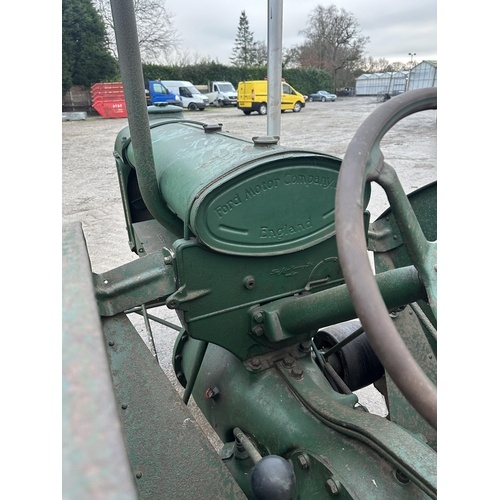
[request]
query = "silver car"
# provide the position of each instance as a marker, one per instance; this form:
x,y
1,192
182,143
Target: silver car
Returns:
x,y
323,96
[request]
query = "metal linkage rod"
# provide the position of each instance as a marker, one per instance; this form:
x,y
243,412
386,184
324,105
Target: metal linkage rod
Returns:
x,y
247,444
150,332
336,347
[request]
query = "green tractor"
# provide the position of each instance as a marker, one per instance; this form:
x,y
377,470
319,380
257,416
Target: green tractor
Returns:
x,y
263,252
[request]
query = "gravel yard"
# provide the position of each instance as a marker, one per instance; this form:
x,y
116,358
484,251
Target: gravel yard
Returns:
x,y
90,191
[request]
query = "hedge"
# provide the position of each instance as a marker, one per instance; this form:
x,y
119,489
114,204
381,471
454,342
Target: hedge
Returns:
x,y
304,80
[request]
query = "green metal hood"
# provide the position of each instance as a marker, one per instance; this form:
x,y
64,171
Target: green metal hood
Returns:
x,y
243,197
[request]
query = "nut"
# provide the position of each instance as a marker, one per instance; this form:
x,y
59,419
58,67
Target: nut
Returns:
x,y
297,372
255,362
331,487
258,330
258,317
302,462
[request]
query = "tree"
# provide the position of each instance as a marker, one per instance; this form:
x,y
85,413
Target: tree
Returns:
x,y
382,65
158,38
333,43
85,59
291,57
245,49
260,53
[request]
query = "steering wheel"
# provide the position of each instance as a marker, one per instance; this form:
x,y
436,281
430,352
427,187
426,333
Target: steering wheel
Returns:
x,y
363,163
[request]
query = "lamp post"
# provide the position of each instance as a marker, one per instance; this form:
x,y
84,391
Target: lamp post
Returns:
x,y
411,55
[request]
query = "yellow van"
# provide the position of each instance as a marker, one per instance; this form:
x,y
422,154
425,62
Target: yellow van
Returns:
x,y
252,96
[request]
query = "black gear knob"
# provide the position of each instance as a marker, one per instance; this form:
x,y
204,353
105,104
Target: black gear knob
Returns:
x,y
273,478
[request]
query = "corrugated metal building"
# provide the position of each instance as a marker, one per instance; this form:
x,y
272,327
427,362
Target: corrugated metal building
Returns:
x,y
395,82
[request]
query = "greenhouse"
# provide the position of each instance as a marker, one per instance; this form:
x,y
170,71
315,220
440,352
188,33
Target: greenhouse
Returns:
x,y
423,75
374,83
396,82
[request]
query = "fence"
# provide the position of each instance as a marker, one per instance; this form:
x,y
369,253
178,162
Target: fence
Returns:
x,y
78,98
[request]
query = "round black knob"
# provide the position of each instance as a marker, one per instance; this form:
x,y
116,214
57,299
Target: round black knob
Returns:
x,y
273,479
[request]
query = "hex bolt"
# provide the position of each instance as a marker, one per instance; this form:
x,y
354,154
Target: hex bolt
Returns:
x,y
124,406
138,475
305,346
332,487
255,362
297,372
111,343
288,361
258,317
258,330
302,462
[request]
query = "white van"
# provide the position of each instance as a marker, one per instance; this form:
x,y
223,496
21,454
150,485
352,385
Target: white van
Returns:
x,y
227,94
192,98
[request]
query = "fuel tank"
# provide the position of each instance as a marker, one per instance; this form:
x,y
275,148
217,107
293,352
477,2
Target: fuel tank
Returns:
x,y
239,196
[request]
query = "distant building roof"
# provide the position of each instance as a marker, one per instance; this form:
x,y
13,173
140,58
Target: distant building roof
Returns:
x,y
388,74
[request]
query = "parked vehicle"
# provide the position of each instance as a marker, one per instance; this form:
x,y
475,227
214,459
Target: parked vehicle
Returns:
x,y
192,98
252,96
158,93
323,96
220,93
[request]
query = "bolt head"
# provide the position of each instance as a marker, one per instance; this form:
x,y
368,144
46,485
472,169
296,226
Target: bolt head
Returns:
x,y
302,462
331,487
258,330
297,372
258,317
255,362
305,346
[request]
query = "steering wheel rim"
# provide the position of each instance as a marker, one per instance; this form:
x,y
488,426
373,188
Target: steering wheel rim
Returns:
x,y
364,163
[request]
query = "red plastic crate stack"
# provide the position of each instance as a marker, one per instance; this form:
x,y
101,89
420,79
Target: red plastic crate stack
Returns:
x,y
108,100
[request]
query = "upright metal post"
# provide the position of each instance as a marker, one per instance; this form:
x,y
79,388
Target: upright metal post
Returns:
x,y
274,57
133,89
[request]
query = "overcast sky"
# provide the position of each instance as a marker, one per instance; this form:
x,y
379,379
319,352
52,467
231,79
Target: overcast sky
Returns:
x,y
395,28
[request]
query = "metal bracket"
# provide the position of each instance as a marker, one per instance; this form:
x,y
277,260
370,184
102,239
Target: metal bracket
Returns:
x,y
177,299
